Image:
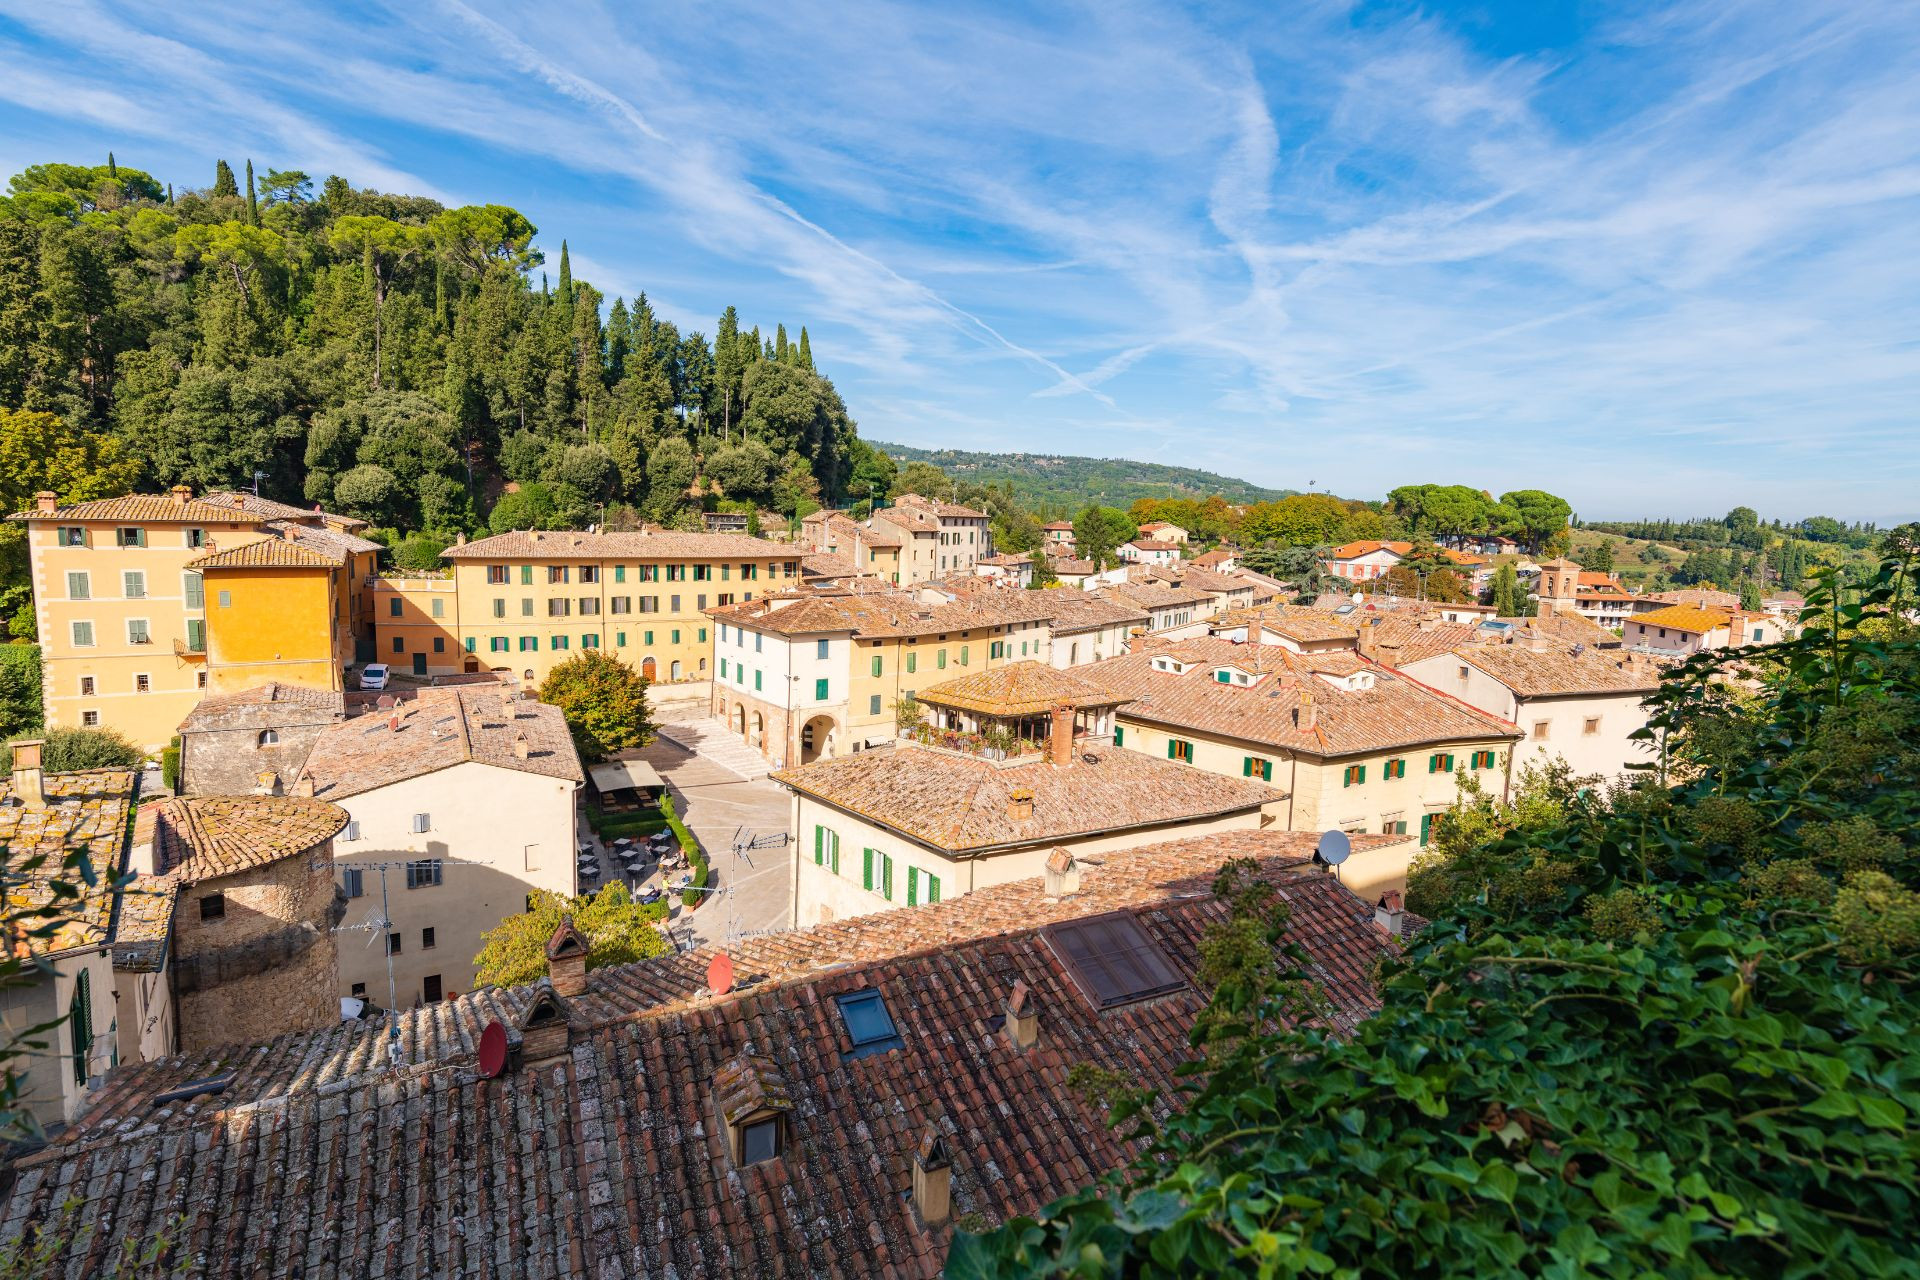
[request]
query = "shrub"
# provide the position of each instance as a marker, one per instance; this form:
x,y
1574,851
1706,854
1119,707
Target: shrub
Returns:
x,y
70,750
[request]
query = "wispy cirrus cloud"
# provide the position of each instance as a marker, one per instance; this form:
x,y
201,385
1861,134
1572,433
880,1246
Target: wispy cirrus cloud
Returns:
x,y
1665,261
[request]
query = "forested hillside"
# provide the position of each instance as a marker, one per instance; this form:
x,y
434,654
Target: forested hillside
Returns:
x,y
1064,484
387,357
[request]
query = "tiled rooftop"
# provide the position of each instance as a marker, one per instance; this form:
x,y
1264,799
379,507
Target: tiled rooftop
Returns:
x,y
83,810
876,610
962,804
1394,712
321,1159
144,508
951,510
1296,622
1399,638
271,510
438,730
1353,550
1075,610
264,706
1017,689
1152,595
1563,669
637,545
1699,598
268,553
206,837
1684,617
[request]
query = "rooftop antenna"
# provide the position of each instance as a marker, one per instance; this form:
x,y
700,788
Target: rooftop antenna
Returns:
x,y
258,476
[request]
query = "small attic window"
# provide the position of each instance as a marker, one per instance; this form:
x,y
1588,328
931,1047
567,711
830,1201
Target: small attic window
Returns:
x,y
869,1026
760,1141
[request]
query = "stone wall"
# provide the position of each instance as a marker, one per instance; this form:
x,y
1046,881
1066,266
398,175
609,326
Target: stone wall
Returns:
x,y
270,964
226,762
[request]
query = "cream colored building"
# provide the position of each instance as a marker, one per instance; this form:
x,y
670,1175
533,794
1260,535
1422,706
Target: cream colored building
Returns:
x,y
912,824
529,600
463,800
1354,746
914,540
1573,703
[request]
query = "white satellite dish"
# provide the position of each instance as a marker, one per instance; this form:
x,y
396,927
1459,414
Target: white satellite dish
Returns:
x,y
1358,597
1334,847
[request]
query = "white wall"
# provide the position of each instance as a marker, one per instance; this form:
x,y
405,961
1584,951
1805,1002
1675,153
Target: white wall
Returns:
x,y
501,833
1085,647
1603,748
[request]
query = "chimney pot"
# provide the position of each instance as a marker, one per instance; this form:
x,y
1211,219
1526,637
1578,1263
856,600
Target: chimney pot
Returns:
x,y
1020,806
460,538
239,502
1060,735
28,784
521,748
567,959
933,1178
46,500
180,494
266,783
393,722
1388,914
1023,1020
1062,874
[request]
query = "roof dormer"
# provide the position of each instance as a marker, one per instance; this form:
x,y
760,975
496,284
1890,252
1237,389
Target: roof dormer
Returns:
x,y
1172,665
1228,674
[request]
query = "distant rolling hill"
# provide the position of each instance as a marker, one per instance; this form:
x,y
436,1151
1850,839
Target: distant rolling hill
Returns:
x,y
1048,479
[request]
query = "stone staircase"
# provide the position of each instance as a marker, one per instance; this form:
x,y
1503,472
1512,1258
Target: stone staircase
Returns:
x,y
713,741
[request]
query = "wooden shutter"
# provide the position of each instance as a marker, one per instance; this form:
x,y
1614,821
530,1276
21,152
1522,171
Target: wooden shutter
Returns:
x,y
886,876
866,871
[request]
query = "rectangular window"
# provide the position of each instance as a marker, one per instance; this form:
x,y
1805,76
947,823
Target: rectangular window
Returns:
x,y
352,830
133,584
1426,828
1394,769
393,944
1483,760
1541,729
876,664
526,608
1591,728
1255,767
526,575
591,640
71,536
499,607
426,871
79,587
620,639
723,668
873,705
86,686
589,573
143,683
702,637
529,644
90,719
1355,775
430,987
556,573
213,906
589,606
673,604
426,939
497,644
819,690
820,648
393,607
1180,749
559,607
1119,736
440,643
676,635
1396,828
620,604
562,642
496,575
422,822
646,637
137,632
619,573
439,609
194,587
702,572
963,655
940,660
131,537
354,881
1440,762
399,645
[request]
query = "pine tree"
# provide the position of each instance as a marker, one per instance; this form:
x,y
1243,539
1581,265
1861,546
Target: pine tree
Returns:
x,y
566,278
223,183
619,342
253,198
806,351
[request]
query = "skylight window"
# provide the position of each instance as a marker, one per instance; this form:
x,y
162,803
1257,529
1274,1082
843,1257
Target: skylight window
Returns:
x,y
869,1025
1113,961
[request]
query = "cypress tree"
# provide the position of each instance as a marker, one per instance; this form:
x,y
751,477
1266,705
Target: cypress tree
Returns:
x,y
253,199
566,278
169,193
223,183
806,351
780,343
113,170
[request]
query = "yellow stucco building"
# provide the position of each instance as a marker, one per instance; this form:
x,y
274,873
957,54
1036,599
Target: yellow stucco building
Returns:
x,y
527,601
130,636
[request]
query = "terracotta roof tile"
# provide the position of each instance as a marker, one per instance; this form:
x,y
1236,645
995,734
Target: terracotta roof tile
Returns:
x,y
267,553
437,730
84,810
206,837
264,706
612,1161
143,508
1684,617
1017,689
1353,550
1296,622
646,544
963,804
1394,712
271,510
1562,669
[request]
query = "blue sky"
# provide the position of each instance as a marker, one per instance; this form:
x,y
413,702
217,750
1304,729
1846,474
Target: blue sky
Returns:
x,y
1658,258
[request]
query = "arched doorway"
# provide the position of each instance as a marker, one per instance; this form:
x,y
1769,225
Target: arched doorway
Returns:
x,y
648,669
816,739
674,672
740,719
759,729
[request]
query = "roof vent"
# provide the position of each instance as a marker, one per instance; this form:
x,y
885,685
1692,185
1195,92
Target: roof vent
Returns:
x,y
1063,874
1388,914
753,1104
543,1027
28,785
303,786
1023,1019
1020,806
932,1178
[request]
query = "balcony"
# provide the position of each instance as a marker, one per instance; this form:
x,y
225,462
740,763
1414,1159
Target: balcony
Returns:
x,y
189,649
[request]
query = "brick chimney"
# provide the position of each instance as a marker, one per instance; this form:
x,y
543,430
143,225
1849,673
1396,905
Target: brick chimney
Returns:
x,y
28,786
266,783
1060,735
932,1178
521,748
290,533
180,493
303,786
1388,914
567,959
1023,1020
1020,806
1063,874
460,538
239,501
46,500
543,1027
1307,717
1367,642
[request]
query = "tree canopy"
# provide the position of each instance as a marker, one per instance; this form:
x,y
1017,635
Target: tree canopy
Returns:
x,y
618,929
604,701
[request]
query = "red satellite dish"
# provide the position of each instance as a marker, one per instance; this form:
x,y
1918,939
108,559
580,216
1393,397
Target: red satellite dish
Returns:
x,y
493,1050
720,974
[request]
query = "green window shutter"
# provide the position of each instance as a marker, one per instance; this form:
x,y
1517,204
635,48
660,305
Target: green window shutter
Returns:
x,y
1433,764
1426,828
1266,771
940,660
526,575
820,690
1246,767
933,888
82,1023
834,857
886,877
913,661
1170,746
866,869
1363,774
819,844
913,886
756,681
1119,736
876,664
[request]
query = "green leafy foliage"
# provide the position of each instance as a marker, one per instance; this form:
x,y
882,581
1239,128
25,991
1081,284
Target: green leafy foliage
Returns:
x,y
604,701
20,711
619,931
1667,1030
73,749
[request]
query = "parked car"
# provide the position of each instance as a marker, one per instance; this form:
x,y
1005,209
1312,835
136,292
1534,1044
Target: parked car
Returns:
x,y
374,675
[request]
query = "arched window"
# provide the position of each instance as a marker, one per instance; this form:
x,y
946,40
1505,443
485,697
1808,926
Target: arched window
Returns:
x,y
268,737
